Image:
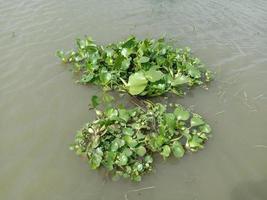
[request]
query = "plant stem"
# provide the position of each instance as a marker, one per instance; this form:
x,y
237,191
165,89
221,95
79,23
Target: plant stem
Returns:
x,y
178,138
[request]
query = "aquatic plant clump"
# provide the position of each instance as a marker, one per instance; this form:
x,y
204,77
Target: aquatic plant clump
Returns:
x,y
124,141
139,67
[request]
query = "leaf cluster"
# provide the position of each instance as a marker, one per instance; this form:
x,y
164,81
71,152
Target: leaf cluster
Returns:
x,y
140,67
125,141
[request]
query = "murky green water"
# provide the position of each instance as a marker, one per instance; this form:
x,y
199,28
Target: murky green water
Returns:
x,y
41,107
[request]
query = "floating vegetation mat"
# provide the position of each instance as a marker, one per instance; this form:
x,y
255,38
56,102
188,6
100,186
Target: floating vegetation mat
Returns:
x,y
139,67
124,141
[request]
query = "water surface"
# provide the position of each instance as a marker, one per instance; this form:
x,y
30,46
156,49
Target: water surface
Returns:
x,y
41,107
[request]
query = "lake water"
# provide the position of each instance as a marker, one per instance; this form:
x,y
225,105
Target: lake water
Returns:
x,y
41,107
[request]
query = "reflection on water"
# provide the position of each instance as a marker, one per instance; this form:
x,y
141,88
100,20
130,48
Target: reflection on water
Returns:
x,y
41,107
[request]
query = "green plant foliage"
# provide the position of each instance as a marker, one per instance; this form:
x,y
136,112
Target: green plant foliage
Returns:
x,y
139,67
124,141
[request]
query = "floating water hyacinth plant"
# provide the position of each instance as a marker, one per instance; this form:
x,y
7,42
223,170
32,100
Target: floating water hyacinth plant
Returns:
x,y
124,141
139,67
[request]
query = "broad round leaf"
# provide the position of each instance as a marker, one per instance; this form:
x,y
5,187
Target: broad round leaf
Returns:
x,y
141,151
122,159
123,114
177,149
105,77
128,152
196,121
130,141
137,83
111,113
139,167
166,150
181,114
114,146
154,75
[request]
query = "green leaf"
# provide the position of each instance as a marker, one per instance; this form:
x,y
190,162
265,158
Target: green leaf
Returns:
x,y
196,121
148,159
160,139
126,52
205,128
123,114
130,141
86,78
138,166
153,75
105,77
180,80
156,142
122,159
95,101
125,64
111,113
193,71
96,158
109,160
137,178
120,142
141,151
61,55
129,43
109,52
118,61
166,150
181,114
170,120
114,146
128,152
137,83
144,59
127,131
177,149
107,98
140,136
195,143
